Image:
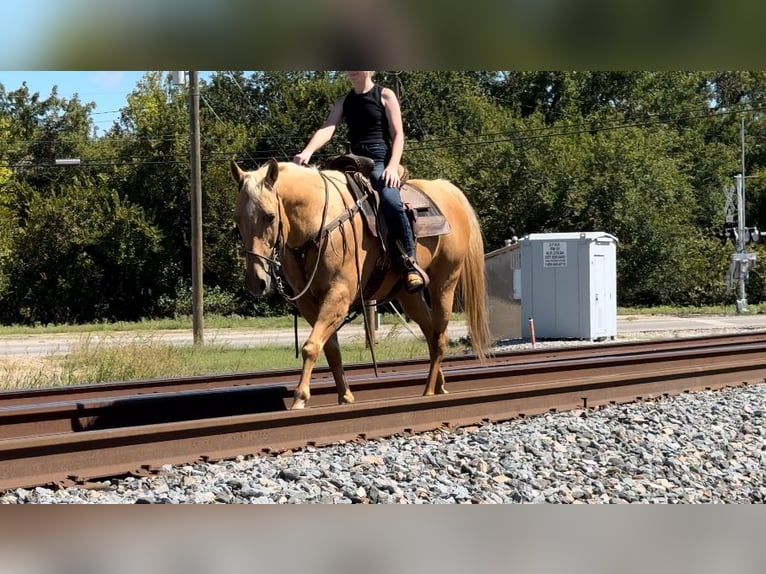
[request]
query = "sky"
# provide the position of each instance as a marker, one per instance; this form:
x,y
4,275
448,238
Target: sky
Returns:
x,y
108,90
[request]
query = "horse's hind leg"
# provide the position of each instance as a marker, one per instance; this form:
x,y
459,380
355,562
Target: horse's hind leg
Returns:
x,y
433,322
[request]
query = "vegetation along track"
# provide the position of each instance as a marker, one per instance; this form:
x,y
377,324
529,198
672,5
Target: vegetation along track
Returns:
x,y
72,434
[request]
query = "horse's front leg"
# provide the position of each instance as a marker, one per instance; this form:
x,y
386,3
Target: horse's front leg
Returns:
x,y
310,352
335,361
331,313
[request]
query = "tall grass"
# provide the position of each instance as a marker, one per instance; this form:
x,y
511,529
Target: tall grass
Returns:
x,y
144,357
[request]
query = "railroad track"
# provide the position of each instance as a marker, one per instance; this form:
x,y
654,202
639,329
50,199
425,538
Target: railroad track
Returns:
x,y
75,434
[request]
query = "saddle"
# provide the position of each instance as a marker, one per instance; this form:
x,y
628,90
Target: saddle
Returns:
x,y
425,217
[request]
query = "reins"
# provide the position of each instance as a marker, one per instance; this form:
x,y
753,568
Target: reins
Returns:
x,y
301,251
320,241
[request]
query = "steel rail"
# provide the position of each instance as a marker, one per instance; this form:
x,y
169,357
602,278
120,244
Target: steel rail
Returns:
x,y
226,395
478,394
117,389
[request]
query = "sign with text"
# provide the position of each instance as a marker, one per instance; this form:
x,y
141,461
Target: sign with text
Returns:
x,y
554,254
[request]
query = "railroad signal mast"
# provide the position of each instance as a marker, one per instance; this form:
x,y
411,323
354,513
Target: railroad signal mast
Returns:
x,y
734,228
741,260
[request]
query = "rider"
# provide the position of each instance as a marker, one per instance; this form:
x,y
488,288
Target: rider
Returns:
x,y
374,121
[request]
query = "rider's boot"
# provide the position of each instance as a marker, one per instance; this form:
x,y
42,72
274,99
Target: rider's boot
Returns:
x,y
415,278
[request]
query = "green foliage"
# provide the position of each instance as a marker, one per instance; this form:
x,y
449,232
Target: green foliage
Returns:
x,y
642,155
83,255
217,301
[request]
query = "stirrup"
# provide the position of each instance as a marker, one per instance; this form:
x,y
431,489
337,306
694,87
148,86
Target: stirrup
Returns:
x,y
415,277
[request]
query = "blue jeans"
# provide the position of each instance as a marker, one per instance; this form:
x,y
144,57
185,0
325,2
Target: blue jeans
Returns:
x,y
390,197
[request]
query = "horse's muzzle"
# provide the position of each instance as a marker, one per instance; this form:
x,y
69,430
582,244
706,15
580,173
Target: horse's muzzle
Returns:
x,y
258,283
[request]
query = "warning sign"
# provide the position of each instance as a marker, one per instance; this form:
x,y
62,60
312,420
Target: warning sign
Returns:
x,y
554,254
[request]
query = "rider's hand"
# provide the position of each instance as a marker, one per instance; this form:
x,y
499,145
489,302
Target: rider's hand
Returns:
x,y
302,158
391,177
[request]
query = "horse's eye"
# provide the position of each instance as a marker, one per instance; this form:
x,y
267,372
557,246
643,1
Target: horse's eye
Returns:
x,y
268,218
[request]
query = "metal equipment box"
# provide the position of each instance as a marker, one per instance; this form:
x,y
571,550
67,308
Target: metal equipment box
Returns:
x,y
569,285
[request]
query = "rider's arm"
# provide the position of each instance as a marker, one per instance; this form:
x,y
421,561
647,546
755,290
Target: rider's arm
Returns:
x,y
323,134
394,115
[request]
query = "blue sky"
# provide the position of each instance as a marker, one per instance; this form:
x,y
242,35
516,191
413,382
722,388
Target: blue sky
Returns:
x,y
107,89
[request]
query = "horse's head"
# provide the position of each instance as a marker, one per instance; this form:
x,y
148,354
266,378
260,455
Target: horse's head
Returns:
x,y
257,215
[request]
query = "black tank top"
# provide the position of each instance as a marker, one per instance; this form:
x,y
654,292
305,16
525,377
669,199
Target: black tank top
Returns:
x,y
366,117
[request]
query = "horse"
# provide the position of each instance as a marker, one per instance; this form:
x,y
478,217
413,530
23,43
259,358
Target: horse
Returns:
x,y
298,226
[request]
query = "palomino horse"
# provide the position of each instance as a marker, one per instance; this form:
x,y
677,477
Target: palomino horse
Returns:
x,y
298,225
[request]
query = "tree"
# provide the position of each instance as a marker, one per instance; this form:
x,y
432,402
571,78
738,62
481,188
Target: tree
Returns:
x,y
642,155
84,255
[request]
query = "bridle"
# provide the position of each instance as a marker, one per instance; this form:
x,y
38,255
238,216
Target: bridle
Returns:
x,y
273,263
273,260
320,242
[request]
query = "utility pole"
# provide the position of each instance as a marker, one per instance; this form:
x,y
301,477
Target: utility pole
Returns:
x,y
196,207
180,79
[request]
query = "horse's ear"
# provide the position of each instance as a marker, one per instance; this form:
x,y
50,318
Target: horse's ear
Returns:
x,y
272,173
236,172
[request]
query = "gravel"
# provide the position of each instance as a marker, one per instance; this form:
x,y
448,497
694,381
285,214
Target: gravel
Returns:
x,y
705,447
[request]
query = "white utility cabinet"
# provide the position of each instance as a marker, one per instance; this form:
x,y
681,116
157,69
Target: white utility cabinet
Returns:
x,y
569,285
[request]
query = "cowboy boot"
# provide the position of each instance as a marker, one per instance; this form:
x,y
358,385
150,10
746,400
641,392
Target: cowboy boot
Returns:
x,y
415,278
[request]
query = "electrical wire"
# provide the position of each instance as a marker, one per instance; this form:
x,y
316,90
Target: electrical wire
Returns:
x,y
492,138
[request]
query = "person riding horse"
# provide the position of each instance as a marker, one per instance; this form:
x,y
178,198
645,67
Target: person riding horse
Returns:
x,y
374,121
301,226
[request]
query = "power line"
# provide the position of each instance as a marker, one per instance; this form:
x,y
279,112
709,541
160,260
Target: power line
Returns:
x,y
554,131
582,127
257,111
542,132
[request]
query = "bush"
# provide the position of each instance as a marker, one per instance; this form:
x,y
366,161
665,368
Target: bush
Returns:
x,y
217,301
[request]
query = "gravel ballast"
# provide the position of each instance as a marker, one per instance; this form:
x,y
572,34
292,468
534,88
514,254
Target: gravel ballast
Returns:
x,y
705,447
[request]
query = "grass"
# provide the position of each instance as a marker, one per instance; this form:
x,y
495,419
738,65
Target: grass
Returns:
x,y
286,322
667,310
752,309
180,323
144,357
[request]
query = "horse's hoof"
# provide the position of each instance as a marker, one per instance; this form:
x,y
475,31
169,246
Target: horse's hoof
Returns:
x,y
442,391
298,404
346,399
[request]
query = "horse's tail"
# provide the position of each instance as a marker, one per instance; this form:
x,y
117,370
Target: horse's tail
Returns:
x,y
472,287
